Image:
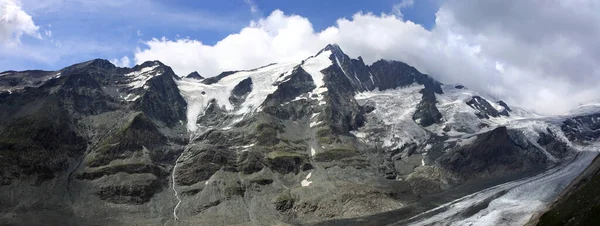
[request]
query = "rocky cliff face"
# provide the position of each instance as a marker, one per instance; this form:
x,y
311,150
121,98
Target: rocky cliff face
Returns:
x,y
288,143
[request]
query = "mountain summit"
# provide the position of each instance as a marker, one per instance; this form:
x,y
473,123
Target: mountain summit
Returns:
x,y
325,138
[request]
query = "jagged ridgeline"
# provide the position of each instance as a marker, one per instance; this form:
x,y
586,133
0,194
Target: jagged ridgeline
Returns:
x,y
329,137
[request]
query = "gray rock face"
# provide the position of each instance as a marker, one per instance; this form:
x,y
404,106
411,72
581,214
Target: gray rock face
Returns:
x,y
327,138
240,91
194,75
427,113
88,136
485,109
496,152
582,128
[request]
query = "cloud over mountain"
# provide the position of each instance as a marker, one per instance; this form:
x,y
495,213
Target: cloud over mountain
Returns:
x,y
540,55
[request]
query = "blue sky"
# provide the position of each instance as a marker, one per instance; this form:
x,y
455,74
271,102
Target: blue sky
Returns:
x,y
75,30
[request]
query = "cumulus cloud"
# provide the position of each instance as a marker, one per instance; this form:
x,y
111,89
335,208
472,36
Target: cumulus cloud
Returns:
x,y
397,8
253,6
14,22
273,39
123,62
537,54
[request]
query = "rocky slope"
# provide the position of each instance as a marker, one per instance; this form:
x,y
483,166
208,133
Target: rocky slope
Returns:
x,y
288,143
579,203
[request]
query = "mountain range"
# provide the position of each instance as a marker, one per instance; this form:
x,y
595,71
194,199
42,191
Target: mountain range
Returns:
x,y
328,140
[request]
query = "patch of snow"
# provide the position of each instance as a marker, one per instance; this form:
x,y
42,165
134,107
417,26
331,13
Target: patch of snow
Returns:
x,y
246,147
457,115
140,77
314,124
312,151
131,97
466,141
496,106
305,182
427,147
337,60
174,189
299,98
313,66
532,129
199,95
393,114
359,134
57,75
586,109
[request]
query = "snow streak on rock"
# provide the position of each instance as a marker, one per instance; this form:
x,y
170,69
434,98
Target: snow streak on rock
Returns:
x,y
305,182
139,78
174,187
198,95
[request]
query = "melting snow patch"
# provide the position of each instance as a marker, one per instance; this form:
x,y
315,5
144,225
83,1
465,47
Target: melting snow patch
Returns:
x,y
198,95
246,147
395,109
315,65
139,78
305,182
313,124
359,134
466,141
131,97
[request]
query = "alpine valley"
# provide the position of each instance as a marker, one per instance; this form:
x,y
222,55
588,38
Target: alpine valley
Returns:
x,y
325,141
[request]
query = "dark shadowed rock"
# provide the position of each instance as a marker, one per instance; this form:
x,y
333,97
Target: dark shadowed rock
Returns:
x,y
427,113
582,128
194,75
484,108
498,152
240,91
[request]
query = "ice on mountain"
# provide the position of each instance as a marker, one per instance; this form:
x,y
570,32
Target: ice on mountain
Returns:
x,y
313,66
131,97
586,109
306,182
466,141
199,95
315,124
395,109
140,77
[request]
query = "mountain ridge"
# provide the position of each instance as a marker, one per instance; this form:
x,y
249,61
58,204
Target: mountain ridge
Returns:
x,y
325,137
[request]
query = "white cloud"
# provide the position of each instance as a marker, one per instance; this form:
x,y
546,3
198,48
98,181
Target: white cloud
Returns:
x,y
14,22
123,62
273,39
253,6
397,8
535,54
